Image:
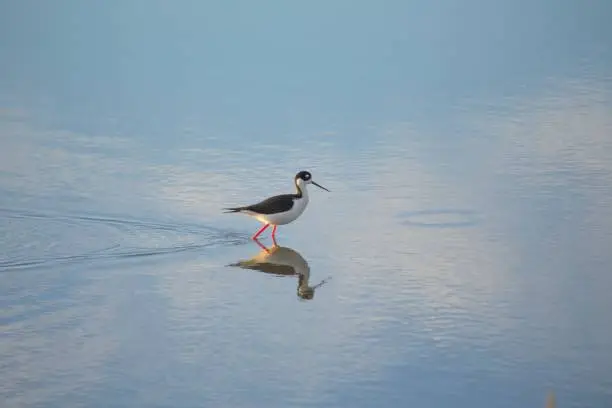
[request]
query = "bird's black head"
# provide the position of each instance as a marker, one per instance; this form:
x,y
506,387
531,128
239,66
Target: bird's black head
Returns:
x,y
304,177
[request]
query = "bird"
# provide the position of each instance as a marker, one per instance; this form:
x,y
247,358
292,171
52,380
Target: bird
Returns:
x,y
280,209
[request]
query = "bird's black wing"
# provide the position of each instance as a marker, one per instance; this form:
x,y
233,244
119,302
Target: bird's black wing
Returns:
x,y
276,204
274,269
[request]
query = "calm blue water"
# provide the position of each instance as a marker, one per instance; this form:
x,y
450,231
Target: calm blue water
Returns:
x,y
462,257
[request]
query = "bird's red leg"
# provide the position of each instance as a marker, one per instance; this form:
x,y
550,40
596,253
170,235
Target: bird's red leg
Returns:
x,y
260,231
262,246
274,234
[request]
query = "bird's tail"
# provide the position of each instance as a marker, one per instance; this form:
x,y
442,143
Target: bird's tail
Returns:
x,y
233,210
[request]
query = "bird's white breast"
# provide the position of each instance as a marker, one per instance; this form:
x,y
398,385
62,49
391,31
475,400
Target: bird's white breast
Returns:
x,y
299,205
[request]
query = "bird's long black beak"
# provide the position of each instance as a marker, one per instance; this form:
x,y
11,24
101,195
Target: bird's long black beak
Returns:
x,y
320,186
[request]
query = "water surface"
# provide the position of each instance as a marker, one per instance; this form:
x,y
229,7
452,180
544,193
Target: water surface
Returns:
x,y
461,258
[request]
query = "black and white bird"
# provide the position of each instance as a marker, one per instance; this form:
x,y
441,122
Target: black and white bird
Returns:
x,y
281,209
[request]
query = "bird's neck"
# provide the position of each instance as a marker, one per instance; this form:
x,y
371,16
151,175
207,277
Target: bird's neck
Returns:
x,y
301,190
303,281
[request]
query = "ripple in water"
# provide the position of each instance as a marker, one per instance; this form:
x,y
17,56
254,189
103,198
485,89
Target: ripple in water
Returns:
x,y
35,239
451,218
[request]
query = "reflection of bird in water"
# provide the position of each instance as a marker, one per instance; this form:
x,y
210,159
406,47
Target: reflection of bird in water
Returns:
x,y
282,261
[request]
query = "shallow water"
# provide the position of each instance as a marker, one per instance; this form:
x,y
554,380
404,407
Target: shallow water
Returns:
x,y
461,257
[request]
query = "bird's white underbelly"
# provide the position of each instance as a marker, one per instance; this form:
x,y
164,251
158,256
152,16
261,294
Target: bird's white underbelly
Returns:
x,y
284,218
